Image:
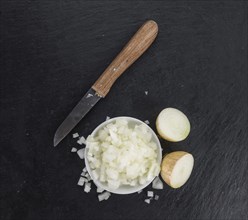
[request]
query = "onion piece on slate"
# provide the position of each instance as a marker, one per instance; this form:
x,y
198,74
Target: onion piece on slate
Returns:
x,y
99,190
75,135
73,150
81,153
87,187
81,181
81,140
157,183
150,193
103,196
176,168
147,201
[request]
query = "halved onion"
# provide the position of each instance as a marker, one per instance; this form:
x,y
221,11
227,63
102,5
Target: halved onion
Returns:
x,y
172,125
176,168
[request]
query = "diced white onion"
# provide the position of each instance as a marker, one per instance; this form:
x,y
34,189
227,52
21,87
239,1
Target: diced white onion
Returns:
x,y
146,92
122,154
87,187
84,169
89,178
81,140
150,193
147,122
75,135
156,197
157,183
140,191
74,150
95,174
81,153
103,196
147,201
99,190
107,118
81,181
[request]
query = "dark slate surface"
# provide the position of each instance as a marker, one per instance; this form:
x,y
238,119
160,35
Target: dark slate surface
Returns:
x,y
52,52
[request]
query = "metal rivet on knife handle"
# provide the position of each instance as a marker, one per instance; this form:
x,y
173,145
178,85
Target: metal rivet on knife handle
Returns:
x,y
138,44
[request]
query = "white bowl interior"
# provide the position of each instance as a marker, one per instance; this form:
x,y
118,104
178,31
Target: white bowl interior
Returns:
x,y
124,189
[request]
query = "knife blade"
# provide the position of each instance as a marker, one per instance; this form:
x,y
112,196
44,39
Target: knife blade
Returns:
x,y
78,112
137,45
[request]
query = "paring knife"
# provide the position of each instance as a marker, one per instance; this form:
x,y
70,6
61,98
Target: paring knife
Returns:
x,y
138,44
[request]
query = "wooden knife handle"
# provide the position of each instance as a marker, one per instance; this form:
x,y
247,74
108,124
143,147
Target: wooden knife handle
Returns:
x,y
138,44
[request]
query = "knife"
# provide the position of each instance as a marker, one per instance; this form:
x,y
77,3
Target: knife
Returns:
x,y
137,45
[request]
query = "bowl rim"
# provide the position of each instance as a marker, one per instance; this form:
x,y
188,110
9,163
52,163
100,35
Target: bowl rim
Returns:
x,y
135,188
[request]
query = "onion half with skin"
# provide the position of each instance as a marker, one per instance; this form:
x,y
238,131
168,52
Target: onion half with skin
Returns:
x,y
176,168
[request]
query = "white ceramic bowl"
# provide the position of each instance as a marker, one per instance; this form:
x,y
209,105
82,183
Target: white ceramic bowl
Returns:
x,y
124,189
